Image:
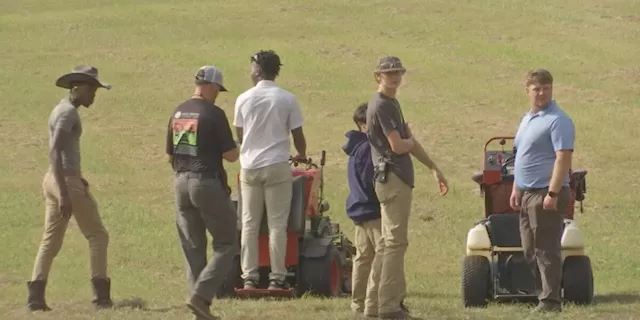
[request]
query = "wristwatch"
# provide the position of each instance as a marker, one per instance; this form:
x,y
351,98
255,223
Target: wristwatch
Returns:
x,y
552,194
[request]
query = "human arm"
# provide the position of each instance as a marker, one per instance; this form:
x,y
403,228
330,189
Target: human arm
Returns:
x,y
389,120
295,123
562,138
227,145
238,120
61,135
419,153
169,142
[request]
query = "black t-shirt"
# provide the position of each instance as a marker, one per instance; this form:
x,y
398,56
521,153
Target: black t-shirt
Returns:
x,y
383,116
197,136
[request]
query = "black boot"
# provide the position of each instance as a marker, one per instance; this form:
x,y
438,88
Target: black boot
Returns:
x,y
35,301
102,293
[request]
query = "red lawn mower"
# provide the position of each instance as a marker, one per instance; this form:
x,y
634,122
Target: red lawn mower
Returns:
x,y
319,255
494,267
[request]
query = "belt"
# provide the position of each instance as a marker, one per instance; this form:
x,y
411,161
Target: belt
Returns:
x,y
539,189
199,175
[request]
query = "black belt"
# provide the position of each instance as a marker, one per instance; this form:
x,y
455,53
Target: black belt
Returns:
x,y
538,189
199,175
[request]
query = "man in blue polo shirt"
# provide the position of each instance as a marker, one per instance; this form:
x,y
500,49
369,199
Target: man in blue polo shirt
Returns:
x,y
544,147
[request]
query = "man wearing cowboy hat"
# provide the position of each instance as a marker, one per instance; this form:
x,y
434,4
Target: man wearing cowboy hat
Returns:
x,y
392,145
67,192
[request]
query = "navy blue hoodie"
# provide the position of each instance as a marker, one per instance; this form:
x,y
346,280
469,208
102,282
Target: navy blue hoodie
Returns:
x,y
362,202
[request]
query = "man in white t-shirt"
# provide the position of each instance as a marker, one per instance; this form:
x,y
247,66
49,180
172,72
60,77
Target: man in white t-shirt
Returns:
x,y
264,116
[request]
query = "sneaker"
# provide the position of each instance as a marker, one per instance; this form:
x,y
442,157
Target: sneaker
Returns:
x,y
250,284
278,285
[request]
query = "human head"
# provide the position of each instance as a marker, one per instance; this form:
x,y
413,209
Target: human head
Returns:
x,y
389,72
265,65
539,88
209,83
82,82
360,117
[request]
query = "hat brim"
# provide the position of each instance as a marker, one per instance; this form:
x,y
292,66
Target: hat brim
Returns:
x,y
68,79
222,88
390,70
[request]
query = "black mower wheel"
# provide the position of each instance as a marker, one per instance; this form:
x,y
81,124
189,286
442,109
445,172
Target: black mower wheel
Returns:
x,y
577,280
322,276
475,281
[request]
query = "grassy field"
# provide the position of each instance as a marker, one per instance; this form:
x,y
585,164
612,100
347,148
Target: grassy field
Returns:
x,y
466,61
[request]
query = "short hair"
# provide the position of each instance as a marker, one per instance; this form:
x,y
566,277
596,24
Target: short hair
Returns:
x,y
360,115
539,77
269,63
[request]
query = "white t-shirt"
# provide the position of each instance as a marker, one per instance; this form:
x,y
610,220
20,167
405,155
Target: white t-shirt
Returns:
x,y
267,114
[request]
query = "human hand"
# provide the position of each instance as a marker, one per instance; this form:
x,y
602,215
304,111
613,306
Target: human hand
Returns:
x,y
299,158
407,130
442,182
514,200
65,206
550,203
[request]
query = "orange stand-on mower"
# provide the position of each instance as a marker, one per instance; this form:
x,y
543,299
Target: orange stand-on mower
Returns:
x,y
318,257
494,267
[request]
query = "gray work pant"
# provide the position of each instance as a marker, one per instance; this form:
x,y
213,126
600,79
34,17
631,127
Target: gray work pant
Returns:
x,y
203,204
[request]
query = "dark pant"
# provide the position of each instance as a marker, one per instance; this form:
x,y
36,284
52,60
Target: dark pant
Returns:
x,y
541,232
203,204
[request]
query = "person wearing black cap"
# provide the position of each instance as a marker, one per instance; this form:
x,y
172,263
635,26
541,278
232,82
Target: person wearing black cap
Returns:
x,y
67,192
198,138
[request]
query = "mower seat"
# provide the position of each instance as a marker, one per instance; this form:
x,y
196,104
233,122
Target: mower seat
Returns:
x,y
297,215
504,229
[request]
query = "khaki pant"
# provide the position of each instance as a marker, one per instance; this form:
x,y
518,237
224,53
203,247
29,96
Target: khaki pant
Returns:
x,y
267,188
364,289
395,201
85,212
541,232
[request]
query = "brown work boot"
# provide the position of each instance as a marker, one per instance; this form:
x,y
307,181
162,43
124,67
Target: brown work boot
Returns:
x,y
102,293
547,306
200,308
35,300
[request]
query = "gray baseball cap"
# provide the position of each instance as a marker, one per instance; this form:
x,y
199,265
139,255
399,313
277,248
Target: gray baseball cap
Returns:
x,y
208,75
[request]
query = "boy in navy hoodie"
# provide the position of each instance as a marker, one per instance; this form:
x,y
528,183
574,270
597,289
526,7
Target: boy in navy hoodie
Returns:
x,y
363,208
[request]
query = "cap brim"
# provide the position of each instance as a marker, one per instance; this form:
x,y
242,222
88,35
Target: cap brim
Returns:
x,y
68,79
201,82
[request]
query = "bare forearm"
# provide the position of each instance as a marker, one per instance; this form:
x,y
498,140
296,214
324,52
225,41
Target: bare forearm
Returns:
x,y
301,144
419,153
58,174
560,170
239,134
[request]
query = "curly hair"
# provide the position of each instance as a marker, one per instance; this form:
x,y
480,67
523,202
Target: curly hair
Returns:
x,y
269,63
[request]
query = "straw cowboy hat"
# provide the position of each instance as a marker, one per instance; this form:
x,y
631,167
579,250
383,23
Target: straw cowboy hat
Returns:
x,y
81,74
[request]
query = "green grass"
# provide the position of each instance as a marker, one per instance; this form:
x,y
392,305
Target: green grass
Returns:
x,y
466,61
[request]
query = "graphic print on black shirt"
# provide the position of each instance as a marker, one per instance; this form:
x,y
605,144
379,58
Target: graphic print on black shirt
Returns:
x,y
198,134
185,133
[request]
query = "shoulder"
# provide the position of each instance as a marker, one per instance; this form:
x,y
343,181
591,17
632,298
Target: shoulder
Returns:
x,y
64,109
245,95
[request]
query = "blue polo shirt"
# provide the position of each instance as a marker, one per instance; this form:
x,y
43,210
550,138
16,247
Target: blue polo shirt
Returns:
x,y
538,138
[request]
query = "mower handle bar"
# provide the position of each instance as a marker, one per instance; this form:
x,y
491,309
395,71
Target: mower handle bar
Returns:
x,y
502,141
308,161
